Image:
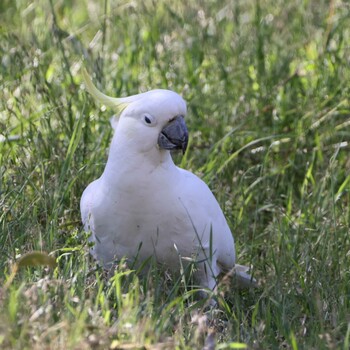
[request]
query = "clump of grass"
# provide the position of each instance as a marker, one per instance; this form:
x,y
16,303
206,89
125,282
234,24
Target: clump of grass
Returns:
x,y
267,90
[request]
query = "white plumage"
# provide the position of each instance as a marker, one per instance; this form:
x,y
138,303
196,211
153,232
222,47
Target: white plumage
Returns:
x,y
143,205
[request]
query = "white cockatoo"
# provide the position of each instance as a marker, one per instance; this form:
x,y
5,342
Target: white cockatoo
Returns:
x,y
145,206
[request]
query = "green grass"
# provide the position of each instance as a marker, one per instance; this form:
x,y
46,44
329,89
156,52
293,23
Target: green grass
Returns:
x,y
267,86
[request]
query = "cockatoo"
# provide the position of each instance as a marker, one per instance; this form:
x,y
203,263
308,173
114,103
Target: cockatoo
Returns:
x,y
145,206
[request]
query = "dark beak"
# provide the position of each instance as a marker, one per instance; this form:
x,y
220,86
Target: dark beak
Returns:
x,y
174,135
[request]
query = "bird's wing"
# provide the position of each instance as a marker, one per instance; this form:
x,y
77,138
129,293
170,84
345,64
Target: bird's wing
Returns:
x,y
202,206
86,205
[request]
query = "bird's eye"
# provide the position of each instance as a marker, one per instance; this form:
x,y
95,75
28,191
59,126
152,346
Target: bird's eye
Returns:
x,y
149,120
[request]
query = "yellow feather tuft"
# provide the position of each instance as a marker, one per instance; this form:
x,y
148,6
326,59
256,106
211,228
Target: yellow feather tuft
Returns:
x,y
119,103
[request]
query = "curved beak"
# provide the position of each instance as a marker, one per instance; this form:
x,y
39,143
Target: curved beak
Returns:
x,y
174,135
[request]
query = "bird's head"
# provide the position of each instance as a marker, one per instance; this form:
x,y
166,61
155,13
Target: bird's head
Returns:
x,y
151,119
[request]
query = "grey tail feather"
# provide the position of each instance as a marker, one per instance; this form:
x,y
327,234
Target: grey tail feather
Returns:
x,y
242,278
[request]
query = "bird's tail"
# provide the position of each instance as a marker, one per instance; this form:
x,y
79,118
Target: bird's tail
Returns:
x,y
242,278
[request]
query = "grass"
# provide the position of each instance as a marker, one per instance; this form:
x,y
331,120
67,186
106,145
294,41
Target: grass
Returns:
x,y
267,86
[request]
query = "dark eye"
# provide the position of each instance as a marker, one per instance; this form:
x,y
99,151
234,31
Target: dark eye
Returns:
x,y
149,119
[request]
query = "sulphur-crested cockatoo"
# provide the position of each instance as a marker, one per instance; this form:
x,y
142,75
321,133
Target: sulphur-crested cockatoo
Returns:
x,y
143,205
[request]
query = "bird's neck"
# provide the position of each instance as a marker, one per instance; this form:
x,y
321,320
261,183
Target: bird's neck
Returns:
x,y
127,164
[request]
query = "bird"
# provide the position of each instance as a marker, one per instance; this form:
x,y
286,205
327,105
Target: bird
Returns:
x,y
143,206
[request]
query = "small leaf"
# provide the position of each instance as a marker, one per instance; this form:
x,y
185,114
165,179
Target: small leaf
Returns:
x,y
36,259
31,259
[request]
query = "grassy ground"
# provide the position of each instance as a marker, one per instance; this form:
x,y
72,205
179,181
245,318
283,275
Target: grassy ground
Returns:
x,y
267,85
